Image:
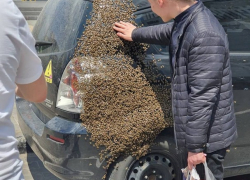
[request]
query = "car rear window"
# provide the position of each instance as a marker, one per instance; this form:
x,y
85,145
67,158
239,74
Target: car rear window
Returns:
x,y
146,17
141,4
60,23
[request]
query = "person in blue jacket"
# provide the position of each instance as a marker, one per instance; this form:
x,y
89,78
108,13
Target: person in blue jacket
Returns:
x,y
202,96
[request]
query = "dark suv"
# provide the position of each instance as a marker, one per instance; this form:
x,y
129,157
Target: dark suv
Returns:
x,y
53,128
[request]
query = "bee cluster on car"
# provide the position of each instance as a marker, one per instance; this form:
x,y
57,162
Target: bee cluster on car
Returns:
x,y
124,102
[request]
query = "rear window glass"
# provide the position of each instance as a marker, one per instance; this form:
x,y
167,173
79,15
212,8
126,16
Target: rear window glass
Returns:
x,y
141,4
60,23
160,53
234,16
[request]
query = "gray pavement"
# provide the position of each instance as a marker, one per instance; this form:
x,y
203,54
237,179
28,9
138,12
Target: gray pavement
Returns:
x,y
19,135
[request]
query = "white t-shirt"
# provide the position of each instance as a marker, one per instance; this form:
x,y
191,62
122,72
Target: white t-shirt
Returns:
x,y
20,64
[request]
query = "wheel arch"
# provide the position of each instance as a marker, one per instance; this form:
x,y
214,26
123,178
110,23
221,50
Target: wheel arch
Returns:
x,y
163,145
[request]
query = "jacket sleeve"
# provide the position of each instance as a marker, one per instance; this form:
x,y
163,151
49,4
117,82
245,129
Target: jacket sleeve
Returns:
x,y
158,34
205,72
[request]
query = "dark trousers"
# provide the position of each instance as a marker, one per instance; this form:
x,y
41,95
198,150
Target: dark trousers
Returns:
x,y
214,162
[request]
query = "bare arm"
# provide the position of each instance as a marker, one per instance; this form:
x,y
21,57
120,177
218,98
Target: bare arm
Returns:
x,y
33,92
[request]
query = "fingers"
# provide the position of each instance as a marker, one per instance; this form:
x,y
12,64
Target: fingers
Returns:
x,y
120,25
190,166
124,36
124,30
195,158
205,158
121,35
119,29
123,23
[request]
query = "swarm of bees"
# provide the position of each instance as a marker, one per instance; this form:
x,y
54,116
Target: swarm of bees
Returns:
x,y
126,102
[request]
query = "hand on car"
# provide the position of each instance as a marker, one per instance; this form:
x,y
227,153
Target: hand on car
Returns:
x,y
124,30
195,158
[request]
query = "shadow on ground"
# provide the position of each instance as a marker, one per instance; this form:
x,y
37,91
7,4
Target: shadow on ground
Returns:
x,y
243,177
36,167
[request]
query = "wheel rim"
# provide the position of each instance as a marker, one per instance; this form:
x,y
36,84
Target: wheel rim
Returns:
x,y
152,167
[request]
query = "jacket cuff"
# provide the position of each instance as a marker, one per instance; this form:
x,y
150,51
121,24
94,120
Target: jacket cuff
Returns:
x,y
135,35
196,150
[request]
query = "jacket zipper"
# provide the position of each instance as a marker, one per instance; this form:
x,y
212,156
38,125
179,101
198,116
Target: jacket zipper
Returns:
x,y
176,145
173,77
174,73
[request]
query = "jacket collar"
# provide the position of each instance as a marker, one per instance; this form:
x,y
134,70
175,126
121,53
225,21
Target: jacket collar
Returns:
x,y
199,7
195,10
182,16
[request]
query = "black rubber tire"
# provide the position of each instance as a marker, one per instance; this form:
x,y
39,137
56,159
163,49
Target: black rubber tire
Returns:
x,y
122,168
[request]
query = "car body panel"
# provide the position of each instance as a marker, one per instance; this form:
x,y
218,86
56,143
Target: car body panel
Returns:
x,y
61,23
74,159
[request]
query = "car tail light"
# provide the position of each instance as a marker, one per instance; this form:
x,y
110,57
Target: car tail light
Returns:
x,y
68,97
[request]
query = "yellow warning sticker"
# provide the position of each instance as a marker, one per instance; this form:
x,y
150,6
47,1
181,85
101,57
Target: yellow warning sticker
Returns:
x,y
48,73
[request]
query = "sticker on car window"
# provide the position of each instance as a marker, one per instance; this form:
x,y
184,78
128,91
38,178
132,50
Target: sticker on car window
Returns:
x,y
48,73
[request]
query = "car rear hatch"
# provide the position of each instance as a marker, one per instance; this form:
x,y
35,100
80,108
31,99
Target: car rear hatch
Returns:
x,y
56,32
57,29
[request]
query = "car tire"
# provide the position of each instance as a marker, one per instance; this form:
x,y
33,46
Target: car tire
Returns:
x,y
160,163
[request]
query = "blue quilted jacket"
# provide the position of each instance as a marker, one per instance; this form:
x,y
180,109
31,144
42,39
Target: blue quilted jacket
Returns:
x,y
202,95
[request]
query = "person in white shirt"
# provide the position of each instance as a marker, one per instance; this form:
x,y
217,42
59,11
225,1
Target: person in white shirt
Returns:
x,y
21,73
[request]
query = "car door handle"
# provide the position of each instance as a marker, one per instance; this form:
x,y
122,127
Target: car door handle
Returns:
x,y
43,43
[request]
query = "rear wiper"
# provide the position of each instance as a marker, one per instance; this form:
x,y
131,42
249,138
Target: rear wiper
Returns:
x,y
43,43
